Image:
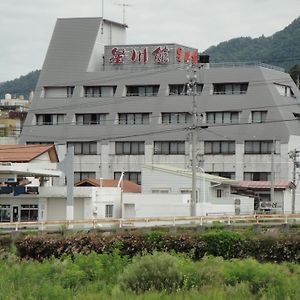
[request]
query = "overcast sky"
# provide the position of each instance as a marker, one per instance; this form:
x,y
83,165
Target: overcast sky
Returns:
x,y
26,25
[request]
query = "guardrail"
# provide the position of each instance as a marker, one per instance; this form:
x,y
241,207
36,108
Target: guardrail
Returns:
x,y
141,222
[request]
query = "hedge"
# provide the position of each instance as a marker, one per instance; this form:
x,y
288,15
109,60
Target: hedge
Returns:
x,y
226,244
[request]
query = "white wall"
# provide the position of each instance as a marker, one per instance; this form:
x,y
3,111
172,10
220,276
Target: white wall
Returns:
x,y
151,205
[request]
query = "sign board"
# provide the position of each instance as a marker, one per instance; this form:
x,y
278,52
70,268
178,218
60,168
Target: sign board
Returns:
x,y
141,56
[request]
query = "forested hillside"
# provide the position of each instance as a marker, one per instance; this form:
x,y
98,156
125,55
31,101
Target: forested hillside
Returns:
x,y
281,49
20,86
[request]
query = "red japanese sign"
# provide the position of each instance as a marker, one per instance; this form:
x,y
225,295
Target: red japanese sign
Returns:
x,y
118,55
140,55
160,55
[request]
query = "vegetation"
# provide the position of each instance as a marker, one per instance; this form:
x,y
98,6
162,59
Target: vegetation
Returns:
x,y
151,276
295,74
227,244
20,86
281,49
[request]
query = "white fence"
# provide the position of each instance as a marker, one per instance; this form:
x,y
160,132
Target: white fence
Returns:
x,y
108,223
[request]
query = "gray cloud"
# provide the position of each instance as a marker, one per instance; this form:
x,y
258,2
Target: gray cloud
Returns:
x,y
26,25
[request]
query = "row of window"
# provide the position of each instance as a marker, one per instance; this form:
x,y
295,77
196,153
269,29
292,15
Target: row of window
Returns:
x,y
224,117
98,91
251,176
132,176
175,147
144,90
137,176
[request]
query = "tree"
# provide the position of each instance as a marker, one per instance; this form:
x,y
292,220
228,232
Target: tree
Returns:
x,y
295,74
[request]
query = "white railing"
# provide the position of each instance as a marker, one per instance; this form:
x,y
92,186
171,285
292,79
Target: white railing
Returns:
x,y
110,223
245,65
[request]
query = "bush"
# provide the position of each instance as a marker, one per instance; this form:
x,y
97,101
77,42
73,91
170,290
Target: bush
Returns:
x,y
158,271
228,244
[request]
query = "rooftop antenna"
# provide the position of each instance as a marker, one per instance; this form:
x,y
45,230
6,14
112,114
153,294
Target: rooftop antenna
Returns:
x,y
102,17
124,6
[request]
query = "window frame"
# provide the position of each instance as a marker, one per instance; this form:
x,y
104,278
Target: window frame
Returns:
x,y
213,116
100,119
83,175
214,145
49,119
229,88
96,91
169,117
262,116
109,211
120,148
167,148
129,175
133,118
136,90
263,176
259,144
81,147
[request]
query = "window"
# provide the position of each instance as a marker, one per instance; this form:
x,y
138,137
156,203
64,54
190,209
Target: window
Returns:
x,y
222,117
258,116
131,176
182,89
78,176
90,119
230,175
58,91
257,176
134,118
230,88
219,147
5,213
189,192
258,147
99,91
169,147
109,210
84,148
160,191
40,143
176,118
70,90
219,193
29,212
142,90
284,90
50,119
130,148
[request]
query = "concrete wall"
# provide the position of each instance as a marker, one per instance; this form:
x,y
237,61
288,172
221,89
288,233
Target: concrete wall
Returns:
x,y
149,205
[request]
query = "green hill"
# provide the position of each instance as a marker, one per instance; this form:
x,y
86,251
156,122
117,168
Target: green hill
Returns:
x,y
281,49
20,86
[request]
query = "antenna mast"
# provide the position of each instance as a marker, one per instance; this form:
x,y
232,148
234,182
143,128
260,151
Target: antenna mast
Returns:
x,y
102,16
124,7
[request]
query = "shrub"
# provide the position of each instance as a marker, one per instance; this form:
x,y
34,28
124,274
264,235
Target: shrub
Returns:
x,y
157,271
228,244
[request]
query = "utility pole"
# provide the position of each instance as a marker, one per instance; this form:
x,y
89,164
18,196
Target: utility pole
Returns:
x,y
272,172
192,89
293,155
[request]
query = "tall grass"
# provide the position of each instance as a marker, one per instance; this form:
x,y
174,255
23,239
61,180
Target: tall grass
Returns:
x,y
152,276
